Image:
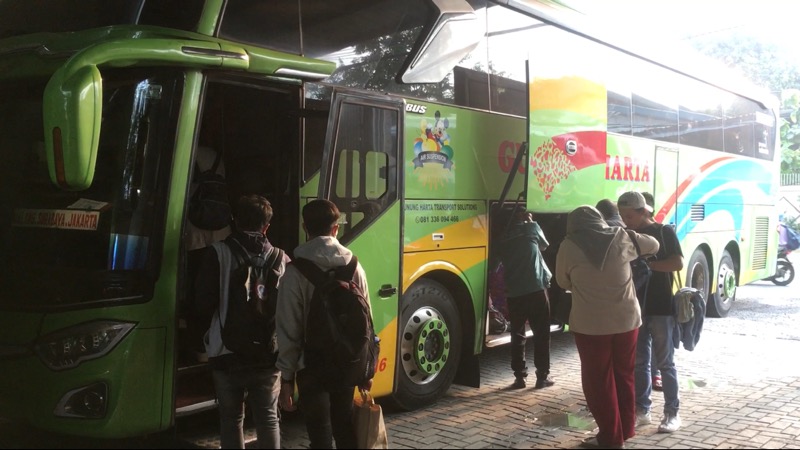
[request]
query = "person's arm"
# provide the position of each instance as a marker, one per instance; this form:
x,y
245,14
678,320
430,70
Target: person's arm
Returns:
x,y
648,245
289,324
673,262
360,279
541,238
206,285
562,267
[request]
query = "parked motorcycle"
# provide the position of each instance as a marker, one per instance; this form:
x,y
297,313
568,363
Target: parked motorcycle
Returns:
x,y
784,273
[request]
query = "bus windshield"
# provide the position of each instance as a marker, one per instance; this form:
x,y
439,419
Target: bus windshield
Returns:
x,y
61,248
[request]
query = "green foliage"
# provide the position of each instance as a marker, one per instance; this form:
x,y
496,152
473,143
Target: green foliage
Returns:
x,y
770,66
764,63
790,131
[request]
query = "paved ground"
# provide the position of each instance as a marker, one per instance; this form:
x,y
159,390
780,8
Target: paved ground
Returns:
x,y
740,388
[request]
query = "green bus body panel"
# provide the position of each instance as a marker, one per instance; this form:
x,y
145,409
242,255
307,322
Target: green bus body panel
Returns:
x,y
378,251
477,283
373,251
127,370
458,153
452,155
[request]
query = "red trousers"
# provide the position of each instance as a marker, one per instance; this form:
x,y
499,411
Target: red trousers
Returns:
x,y
607,363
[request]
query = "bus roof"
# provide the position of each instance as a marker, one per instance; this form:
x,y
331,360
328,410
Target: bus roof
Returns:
x,y
678,57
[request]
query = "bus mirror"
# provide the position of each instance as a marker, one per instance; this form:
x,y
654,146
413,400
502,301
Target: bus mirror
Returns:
x,y
455,33
72,111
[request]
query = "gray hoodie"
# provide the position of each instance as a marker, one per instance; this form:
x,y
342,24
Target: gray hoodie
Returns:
x,y
294,294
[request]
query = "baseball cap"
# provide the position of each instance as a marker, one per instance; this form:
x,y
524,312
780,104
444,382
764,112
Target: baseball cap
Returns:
x,y
633,200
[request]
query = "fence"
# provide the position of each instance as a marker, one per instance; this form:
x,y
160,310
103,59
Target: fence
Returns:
x,y
790,179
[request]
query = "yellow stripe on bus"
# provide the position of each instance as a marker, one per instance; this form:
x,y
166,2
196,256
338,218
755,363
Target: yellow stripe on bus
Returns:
x,y
573,94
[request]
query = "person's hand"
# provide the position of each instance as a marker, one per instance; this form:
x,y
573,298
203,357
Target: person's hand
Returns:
x,y
366,386
286,398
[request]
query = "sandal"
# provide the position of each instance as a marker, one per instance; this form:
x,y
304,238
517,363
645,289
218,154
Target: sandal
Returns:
x,y
657,386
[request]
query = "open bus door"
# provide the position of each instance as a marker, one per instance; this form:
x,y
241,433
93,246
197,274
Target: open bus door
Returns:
x,y
360,175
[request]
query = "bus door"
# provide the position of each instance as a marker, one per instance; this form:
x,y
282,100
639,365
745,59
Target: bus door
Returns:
x,y
665,185
248,131
360,175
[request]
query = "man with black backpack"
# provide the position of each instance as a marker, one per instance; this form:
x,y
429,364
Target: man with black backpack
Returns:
x,y
237,287
658,321
325,334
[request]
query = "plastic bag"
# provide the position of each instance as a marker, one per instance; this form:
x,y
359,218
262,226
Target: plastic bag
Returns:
x,y
368,422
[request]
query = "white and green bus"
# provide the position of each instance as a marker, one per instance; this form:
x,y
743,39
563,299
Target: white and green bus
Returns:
x,y
421,119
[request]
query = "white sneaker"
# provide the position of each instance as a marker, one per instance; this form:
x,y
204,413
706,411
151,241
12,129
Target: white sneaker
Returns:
x,y
670,423
642,418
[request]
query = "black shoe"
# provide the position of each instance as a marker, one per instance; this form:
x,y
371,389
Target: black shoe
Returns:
x,y
544,382
519,383
593,443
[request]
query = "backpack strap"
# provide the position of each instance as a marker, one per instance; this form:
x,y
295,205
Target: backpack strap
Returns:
x,y
348,271
635,243
217,160
317,276
238,250
272,258
212,169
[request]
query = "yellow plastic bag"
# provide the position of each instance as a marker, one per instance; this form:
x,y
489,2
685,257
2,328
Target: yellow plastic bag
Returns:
x,y
368,422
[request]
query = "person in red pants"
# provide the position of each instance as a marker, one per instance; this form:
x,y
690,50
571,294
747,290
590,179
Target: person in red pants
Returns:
x,y
593,262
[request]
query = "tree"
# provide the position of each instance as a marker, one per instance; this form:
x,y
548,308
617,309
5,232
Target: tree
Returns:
x,y
790,131
767,65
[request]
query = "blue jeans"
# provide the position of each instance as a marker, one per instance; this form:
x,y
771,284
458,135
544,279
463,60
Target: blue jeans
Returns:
x,y
260,388
655,336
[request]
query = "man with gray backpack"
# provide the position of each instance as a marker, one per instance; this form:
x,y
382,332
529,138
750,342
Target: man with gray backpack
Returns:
x,y
237,286
326,337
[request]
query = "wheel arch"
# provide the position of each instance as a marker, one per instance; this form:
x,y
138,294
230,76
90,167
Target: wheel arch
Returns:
x,y
457,284
706,250
733,249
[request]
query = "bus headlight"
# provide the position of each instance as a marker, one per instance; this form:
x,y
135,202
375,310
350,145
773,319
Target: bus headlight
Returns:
x,y
67,348
89,401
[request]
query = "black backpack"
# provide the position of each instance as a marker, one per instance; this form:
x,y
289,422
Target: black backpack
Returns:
x,y
340,337
249,328
209,208
640,272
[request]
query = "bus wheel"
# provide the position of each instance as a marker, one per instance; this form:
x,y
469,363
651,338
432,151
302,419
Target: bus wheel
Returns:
x,y
430,345
698,274
726,288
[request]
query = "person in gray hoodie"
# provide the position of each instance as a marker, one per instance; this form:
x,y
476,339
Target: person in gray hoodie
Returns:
x,y
326,403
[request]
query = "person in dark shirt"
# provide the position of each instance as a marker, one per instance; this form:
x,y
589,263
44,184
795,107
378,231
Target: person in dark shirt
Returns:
x,y
527,278
655,335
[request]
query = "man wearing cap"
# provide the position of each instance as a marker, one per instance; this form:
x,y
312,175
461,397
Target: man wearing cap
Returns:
x,y
655,334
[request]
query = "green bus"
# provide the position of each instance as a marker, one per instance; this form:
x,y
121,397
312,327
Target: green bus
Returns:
x,y
423,120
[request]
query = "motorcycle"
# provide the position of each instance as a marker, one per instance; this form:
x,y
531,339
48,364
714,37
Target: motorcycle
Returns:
x,y
784,273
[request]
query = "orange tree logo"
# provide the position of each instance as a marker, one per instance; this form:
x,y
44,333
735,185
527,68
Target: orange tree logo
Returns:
x,y
550,166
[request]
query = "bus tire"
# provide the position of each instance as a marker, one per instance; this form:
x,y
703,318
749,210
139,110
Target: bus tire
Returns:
x,y
725,294
698,274
429,345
